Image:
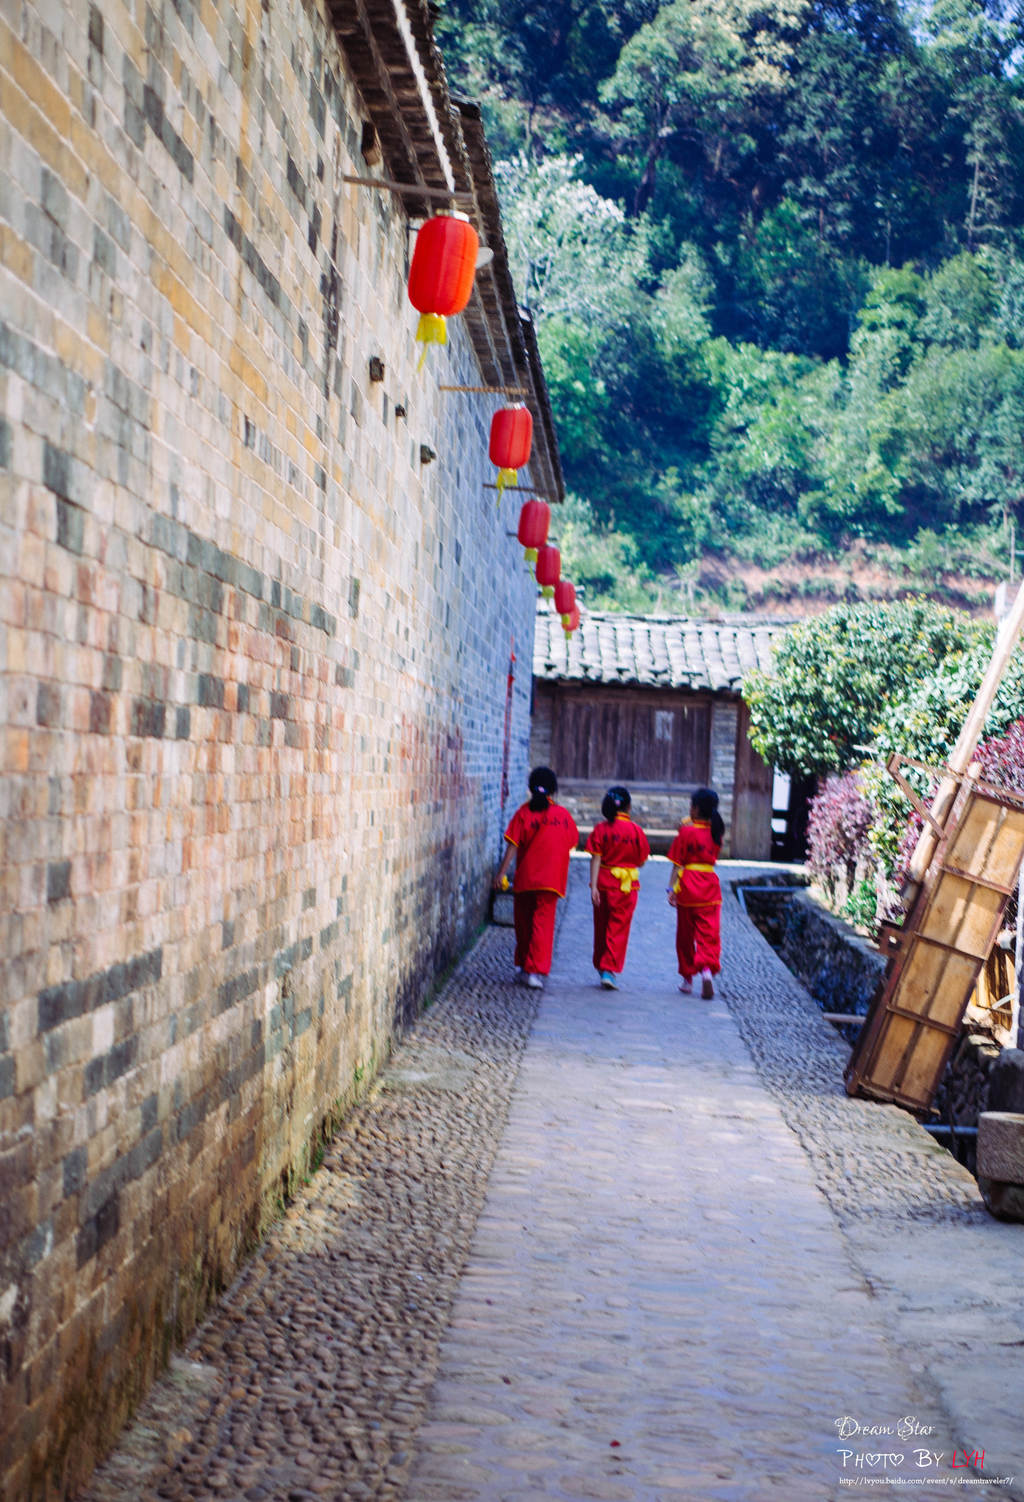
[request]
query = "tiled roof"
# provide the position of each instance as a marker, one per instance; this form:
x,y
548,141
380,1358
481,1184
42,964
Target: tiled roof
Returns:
x,y
657,651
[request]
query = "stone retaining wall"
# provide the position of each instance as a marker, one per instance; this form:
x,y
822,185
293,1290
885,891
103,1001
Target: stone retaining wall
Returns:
x,y
840,969
256,651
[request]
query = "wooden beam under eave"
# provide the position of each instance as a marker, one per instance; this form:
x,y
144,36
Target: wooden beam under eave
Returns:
x,y
358,40
416,97
449,119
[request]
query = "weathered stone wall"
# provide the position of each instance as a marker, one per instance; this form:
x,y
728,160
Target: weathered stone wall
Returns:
x,y
255,659
841,970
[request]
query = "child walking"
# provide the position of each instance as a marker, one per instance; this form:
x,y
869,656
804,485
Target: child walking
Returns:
x,y
617,848
541,835
696,894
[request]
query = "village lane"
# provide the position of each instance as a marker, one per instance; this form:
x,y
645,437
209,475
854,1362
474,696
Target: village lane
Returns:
x,y
620,1245
682,1285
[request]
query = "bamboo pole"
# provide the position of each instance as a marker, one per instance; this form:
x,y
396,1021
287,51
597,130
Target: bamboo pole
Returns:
x,y
495,390
543,494
967,743
415,190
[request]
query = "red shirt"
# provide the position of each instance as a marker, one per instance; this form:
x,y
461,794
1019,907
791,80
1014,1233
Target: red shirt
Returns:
x,y
693,846
543,843
620,843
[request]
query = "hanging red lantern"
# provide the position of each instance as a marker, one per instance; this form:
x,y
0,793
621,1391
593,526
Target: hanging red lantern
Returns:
x,y
565,598
441,275
571,621
534,521
548,570
511,441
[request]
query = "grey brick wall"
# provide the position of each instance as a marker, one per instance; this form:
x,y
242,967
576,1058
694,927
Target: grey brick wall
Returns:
x,y
254,669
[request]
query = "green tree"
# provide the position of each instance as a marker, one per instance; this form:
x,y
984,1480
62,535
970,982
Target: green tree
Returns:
x,y
812,335
962,414
836,674
604,564
535,62
976,48
695,78
961,301
768,422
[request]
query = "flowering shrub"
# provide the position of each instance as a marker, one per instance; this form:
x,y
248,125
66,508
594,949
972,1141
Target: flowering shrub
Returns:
x,y
1002,758
837,830
895,680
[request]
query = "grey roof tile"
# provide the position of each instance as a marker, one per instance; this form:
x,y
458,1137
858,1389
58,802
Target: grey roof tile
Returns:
x,y
664,651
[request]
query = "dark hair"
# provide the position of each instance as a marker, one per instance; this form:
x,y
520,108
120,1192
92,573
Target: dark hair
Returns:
x,y
543,783
705,803
615,801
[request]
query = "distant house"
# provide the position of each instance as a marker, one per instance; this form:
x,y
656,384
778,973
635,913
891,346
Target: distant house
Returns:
x,y
654,702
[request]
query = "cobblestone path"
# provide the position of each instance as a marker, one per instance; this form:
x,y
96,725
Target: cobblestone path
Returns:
x,y
655,1254
662,1301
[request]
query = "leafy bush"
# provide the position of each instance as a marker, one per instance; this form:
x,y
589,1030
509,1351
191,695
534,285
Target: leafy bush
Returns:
x,y
837,829
836,674
862,905
924,725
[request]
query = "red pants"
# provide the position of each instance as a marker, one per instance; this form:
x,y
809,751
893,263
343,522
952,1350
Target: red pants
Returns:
x,y
699,939
534,916
612,918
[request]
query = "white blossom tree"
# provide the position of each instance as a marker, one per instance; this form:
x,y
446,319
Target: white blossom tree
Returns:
x,y
574,255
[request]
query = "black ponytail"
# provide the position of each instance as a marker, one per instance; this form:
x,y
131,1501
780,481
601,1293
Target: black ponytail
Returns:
x,y
615,801
543,784
705,805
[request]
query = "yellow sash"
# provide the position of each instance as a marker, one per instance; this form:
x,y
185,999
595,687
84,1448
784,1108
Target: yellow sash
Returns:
x,y
678,878
625,876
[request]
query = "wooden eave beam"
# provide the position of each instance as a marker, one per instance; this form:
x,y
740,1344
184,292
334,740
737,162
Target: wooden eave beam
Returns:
x,y
519,360
419,13
377,50
376,53
555,484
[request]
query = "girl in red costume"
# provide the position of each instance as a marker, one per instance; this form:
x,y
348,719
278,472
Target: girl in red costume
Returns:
x,y
696,895
540,837
617,847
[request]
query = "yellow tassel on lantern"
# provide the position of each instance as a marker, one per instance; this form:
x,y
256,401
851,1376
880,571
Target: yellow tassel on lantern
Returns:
x,y
565,621
548,591
530,554
506,477
431,329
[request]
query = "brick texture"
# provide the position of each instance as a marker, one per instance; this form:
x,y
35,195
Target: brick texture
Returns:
x,y
254,670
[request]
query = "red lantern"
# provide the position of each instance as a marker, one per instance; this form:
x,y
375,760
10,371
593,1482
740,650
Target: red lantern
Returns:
x,y
441,275
549,567
565,598
534,521
571,621
511,441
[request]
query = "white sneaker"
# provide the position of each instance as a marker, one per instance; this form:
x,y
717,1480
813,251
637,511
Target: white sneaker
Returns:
x,y
535,982
707,985
686,986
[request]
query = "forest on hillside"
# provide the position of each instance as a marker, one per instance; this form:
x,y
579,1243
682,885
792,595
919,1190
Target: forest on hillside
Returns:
x,y
774,250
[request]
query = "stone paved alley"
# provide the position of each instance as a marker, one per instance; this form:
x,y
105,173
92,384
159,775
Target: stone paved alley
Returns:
x,y
635,1246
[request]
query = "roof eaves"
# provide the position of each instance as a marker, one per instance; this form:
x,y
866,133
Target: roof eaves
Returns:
x,y
431,140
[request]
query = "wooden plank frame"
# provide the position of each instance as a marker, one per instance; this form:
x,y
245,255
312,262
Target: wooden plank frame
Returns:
x,y
934,960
